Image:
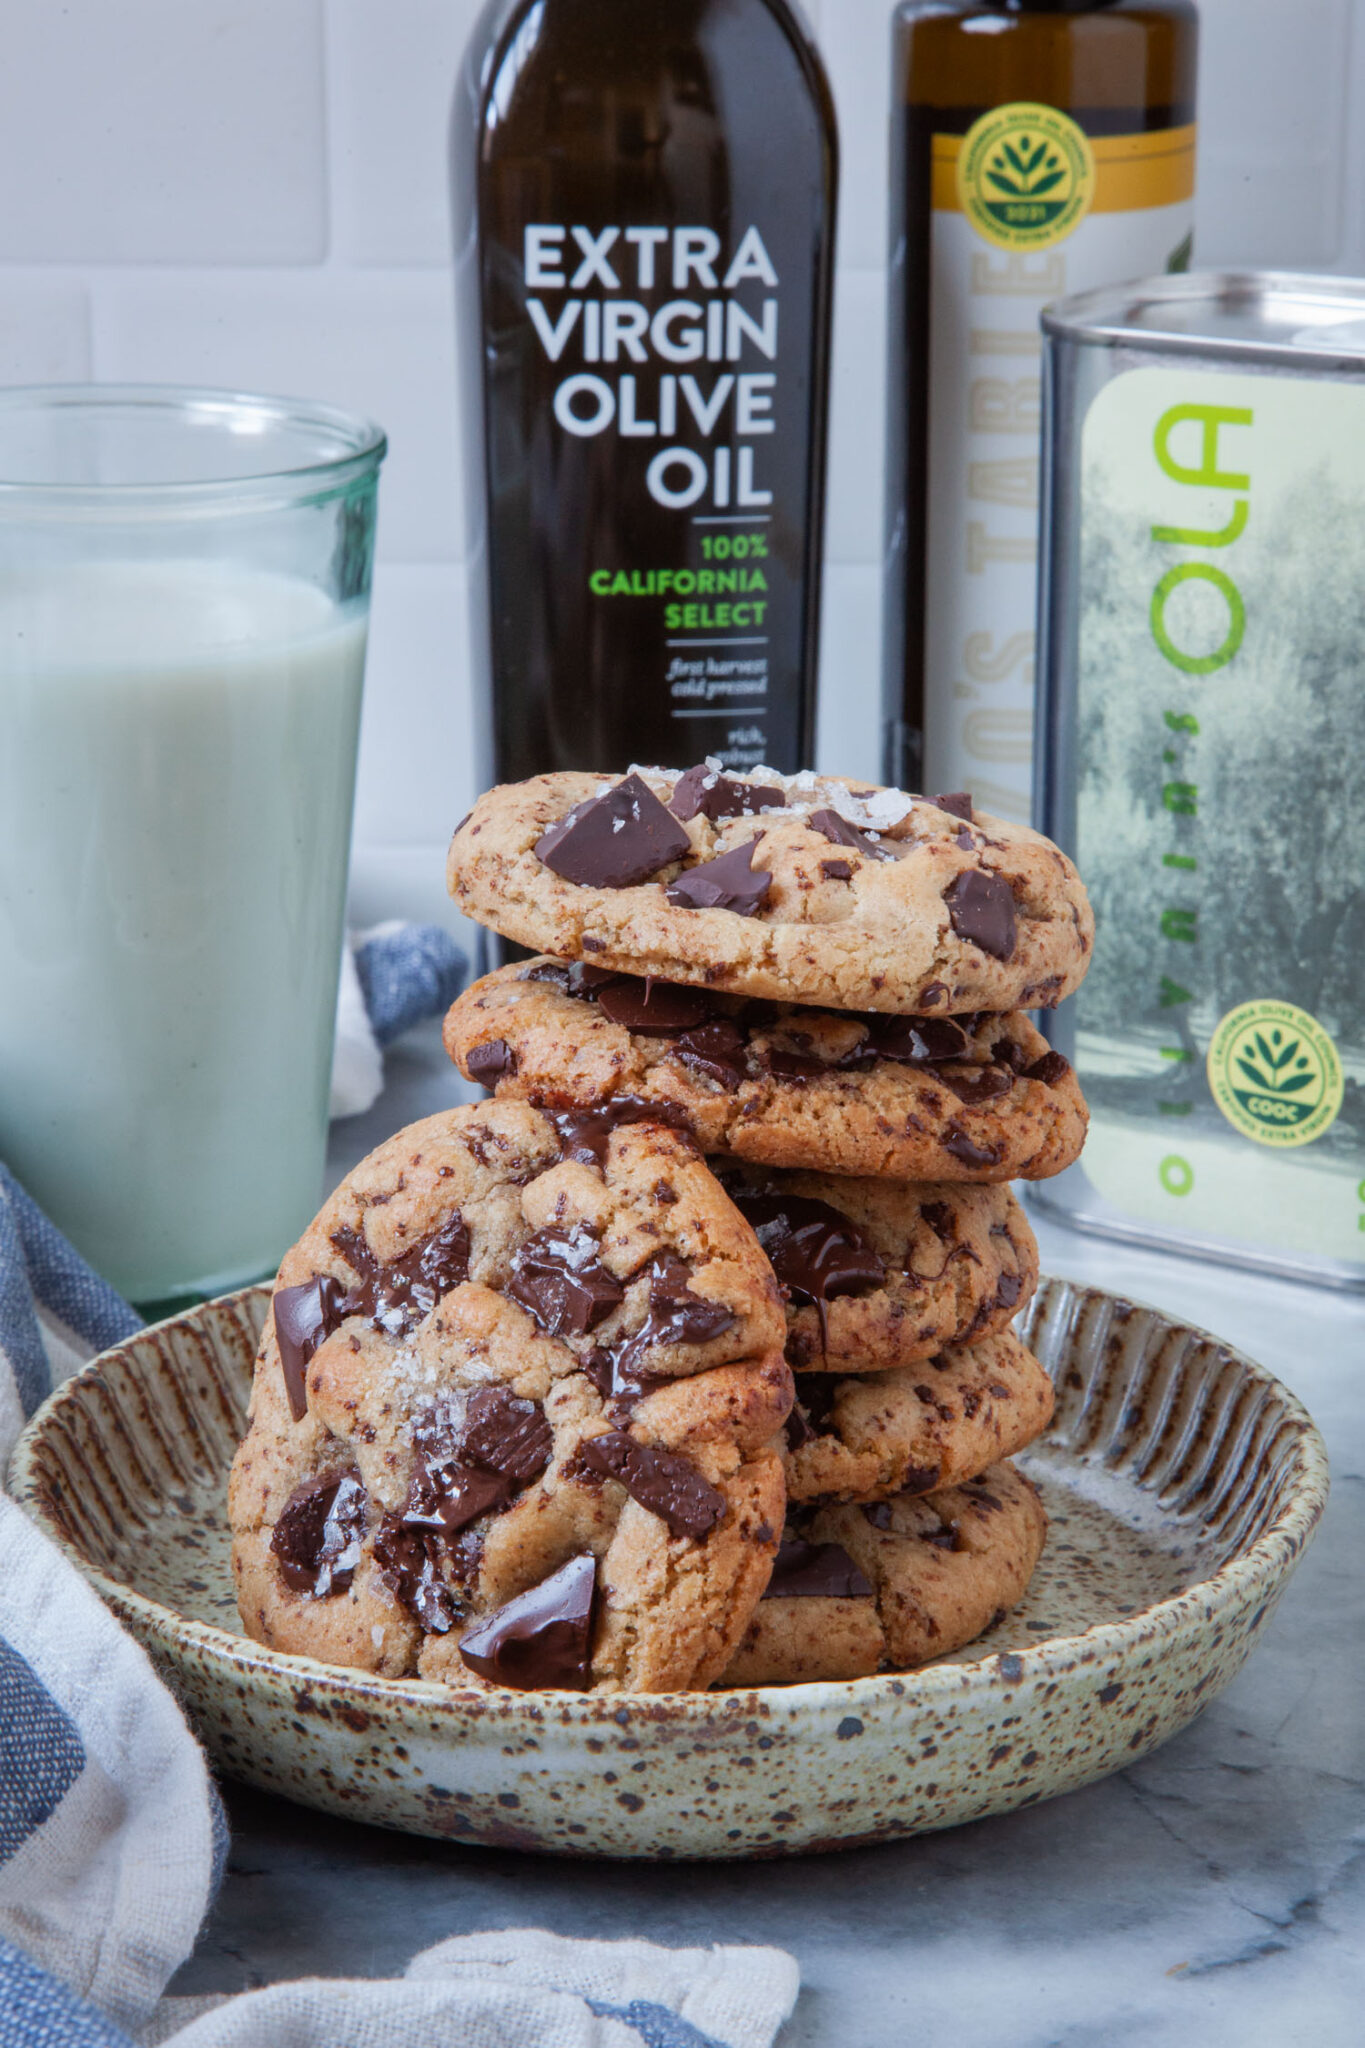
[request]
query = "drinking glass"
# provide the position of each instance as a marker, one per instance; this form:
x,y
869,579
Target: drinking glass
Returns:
x,y
184,592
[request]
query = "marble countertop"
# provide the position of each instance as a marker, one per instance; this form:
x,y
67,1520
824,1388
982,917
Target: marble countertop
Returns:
x,y
1213,1894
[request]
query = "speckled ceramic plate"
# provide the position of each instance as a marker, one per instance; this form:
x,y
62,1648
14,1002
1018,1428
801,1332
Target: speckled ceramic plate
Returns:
x,y
1182,1481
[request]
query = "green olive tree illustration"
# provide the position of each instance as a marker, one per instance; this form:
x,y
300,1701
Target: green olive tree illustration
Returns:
x,y
1266,795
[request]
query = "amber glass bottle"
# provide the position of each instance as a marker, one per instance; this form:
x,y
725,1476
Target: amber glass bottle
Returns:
x,y
644,204
1040,147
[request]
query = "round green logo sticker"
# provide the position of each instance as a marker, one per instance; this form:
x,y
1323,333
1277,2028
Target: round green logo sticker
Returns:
x,y
1025,175
1275,1074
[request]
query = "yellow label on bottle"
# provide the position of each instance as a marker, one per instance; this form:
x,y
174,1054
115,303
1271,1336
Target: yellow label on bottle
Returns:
x,y
1025,175
1131,173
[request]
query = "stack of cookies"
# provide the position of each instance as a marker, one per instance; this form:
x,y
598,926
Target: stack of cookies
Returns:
x,y
686,1359
824,984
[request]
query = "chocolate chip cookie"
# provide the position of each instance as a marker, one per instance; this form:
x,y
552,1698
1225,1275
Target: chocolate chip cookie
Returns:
x,y
801,889
917,1429
879,1273
977,1098
891,1586
514,1411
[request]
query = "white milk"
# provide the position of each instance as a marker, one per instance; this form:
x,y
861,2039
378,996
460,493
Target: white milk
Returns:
x,y
177,762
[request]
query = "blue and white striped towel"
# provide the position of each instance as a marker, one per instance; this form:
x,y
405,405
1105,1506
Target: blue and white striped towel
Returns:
x,y
112,1837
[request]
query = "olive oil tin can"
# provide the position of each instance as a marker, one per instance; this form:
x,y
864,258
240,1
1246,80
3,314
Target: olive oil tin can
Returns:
x,y
1200,752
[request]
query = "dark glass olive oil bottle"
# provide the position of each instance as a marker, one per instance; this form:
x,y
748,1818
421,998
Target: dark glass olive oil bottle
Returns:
x,y
644,208
1040,147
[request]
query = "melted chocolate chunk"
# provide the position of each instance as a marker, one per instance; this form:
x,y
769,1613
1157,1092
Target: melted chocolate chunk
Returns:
x,y
815,1251
489,1062
981,907
619,1384
945,1537
729,883
815,1391
797,1429
555,835
584,1134
397,1296
704,792
840,833
1007,1052
1008,1289
810,1571
836,870
305,1316
318,1535
920,1479
506,1434
559,1277
666,1483
418,1566
614,840
554,972
543,1637
656,1009
675,1315
570,977
472,1458
956,1141
957,805
939,1218
977,1085
448,1496
715,1050
394,1297
932,994
877,1514
920,1041
406,1562
1049,1068
795,1066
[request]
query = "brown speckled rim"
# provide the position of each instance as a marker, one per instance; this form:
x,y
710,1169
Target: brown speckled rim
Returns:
x,y
1257,1570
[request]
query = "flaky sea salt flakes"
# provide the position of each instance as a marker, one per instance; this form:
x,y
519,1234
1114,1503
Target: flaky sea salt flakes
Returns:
x,y
885,808
411,1375
805,791
377,1636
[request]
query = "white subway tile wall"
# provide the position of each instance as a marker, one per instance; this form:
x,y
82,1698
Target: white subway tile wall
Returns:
x,y
157,132
252,192
380,342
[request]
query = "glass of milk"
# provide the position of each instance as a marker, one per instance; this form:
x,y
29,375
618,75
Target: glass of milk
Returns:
x,y
184,588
